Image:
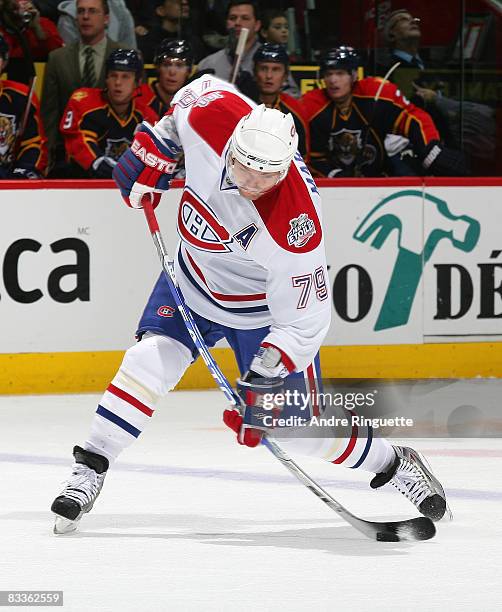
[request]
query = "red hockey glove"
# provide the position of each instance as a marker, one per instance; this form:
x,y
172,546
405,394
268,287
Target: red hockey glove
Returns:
x,y
147,167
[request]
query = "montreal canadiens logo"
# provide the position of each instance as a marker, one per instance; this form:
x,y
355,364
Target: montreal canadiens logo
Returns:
x,y
199,227
166,311
302,230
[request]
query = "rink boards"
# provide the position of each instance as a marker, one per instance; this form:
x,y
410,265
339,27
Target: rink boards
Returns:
x,y
415,268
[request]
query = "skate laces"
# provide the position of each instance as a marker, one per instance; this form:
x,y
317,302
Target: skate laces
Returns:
x,y
411,482
84,484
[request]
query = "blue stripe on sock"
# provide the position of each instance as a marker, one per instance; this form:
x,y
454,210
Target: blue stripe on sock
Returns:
x,y
366,449
118,421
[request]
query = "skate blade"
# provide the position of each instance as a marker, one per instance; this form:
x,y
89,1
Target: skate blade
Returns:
x,y
64,526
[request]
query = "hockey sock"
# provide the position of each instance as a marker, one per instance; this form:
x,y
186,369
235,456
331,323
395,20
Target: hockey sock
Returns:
x,y
359,450
148,371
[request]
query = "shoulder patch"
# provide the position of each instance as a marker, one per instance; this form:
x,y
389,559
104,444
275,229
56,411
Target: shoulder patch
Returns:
x,y
85,93
290,215
215,121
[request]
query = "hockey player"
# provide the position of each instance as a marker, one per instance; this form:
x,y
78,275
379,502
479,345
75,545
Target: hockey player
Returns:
x,y
174,61
350,132
98,124
251,266
271,70
22,156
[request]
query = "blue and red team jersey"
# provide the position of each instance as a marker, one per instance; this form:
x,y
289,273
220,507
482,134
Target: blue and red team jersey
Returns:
x,y
354,143
246,264
91,128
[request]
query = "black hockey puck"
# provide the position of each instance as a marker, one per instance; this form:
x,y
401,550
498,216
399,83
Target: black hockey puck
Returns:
x,y
387,536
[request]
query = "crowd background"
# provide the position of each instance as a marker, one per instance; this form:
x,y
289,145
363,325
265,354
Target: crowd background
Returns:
x,y
79,114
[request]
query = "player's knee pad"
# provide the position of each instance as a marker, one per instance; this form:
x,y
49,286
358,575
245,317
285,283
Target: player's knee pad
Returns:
x,y
153,366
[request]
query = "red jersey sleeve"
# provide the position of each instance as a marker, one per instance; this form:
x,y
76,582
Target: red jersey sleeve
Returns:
x,y
80,137
408,120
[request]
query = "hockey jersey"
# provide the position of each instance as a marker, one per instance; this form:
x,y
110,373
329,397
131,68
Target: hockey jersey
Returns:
x,y
150,97
91,128
246,264
354,144
32,150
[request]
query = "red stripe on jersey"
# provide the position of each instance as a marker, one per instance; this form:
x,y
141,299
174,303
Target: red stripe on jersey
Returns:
x,y
281,207
215,121
20,88
313,390
224,296
123,395
350,446
286,359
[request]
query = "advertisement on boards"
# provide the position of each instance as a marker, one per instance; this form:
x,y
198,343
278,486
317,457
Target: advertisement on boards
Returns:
x,y
407,265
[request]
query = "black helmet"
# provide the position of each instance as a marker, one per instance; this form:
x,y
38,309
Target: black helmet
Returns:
x,y
126,60
4,49
339,58
271,52
174,49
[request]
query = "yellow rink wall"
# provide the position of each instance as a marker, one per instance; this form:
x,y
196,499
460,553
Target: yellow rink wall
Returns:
x,y
89,372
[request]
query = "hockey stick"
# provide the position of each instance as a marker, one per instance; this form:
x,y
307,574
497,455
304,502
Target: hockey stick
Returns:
x,y
239,52
24,121
369,126
420,528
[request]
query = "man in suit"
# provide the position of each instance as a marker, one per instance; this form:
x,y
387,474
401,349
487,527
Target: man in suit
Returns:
x,y
80,64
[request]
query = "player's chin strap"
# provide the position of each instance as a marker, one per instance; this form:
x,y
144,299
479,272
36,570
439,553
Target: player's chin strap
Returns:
x,y
420,528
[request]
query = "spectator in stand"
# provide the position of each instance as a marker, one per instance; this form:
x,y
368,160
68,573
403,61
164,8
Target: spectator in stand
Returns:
x,y
98,125
275,28
349,130
240,14
29,36
79,64
403,34
23,149
271,69
173,60
476,122
172,22
120,26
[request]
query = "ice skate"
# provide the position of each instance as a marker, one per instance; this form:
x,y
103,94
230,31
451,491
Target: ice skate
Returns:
x,y
81,490
411,475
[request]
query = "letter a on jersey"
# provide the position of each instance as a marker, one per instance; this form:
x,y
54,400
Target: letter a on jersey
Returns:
x,y
198,225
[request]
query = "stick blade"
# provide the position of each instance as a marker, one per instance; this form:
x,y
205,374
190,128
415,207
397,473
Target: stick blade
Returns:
x,y
412,530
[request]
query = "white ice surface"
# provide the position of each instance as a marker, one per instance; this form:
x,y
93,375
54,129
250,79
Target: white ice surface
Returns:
x,y
188,520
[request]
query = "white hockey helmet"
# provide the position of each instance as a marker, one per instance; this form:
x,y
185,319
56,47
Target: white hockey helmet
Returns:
x,y
265,140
